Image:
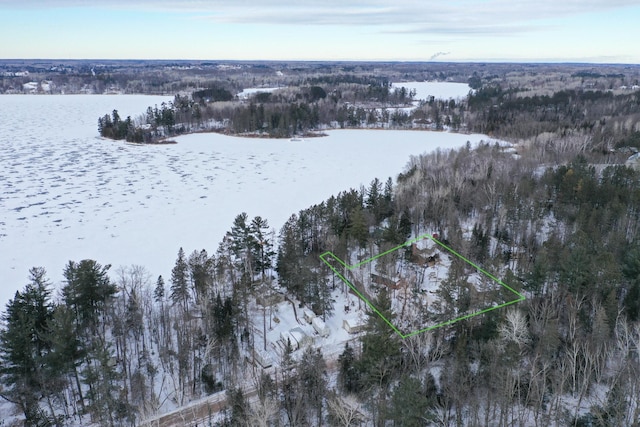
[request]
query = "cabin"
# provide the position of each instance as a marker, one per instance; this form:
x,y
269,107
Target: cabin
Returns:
x,y
301,337
286,336
352,326
320,327
262,358
424,257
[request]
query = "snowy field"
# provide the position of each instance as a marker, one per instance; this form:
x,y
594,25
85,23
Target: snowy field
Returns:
x,y
66,194
439,90
246,93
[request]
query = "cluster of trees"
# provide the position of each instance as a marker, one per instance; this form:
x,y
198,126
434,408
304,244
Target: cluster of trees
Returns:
x,y
287,112
50,350
113,127
158,122
114,349
90,351
606,118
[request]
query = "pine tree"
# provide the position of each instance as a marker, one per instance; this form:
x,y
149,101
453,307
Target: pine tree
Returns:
x,y
409,404
66,353
374,198
358,227
180,282
23,348
381,354
87,291
312,372
262,245
348,374
158,292
200,272
289,266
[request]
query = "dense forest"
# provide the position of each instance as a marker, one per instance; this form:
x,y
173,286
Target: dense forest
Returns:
x,y
556,216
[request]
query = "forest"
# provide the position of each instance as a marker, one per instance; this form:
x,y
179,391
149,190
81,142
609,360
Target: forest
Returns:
x,y
511,107
555,214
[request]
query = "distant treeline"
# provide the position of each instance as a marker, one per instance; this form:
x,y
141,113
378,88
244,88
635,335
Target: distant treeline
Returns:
x,y
608,120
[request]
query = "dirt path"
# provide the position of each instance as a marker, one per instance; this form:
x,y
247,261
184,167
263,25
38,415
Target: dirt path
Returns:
x,y
195,414
199,413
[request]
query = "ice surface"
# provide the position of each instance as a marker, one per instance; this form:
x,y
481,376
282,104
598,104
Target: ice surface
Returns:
x,y
67,195
246,93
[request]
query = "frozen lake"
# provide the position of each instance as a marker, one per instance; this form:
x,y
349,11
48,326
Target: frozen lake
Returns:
x,y
67,195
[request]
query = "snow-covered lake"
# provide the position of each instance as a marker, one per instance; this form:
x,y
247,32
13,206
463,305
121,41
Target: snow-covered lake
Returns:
x,y
246,93
439,90
67,195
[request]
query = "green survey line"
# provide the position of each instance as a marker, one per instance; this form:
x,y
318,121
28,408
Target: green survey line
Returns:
x,y
353,288
406,244
468,316
480,269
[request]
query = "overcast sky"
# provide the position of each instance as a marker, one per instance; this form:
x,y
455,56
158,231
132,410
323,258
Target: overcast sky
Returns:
x,y
446,30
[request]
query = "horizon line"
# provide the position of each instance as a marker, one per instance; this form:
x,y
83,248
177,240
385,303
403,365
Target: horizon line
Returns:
x,y
354,61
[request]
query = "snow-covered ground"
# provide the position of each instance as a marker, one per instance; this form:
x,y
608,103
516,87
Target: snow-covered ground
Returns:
x,y
247,92
439,90
66,194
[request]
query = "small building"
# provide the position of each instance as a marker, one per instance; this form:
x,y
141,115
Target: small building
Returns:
x,y
286,336
320,327
262,358
301,337
308,315
352,326
296,337
424,257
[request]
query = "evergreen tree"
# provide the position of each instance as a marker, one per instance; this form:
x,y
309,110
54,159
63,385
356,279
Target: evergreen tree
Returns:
x,y
373,201
381,354
262,245
104,389
180,281
158,292
409,405
358,229
386,209
66,353
242,243
239,406
200,272
405,224
312,371
87,291
348,374
289,259
23,348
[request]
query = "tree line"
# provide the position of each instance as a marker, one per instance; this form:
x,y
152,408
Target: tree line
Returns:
x,y
283,113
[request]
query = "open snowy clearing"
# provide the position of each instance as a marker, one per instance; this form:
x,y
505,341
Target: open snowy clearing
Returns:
x,y
68,195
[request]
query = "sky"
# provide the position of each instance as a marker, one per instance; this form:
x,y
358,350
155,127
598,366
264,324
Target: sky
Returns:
x,y
598,31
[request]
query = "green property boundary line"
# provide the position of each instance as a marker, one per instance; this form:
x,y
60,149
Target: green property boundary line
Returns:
x,y
327,254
